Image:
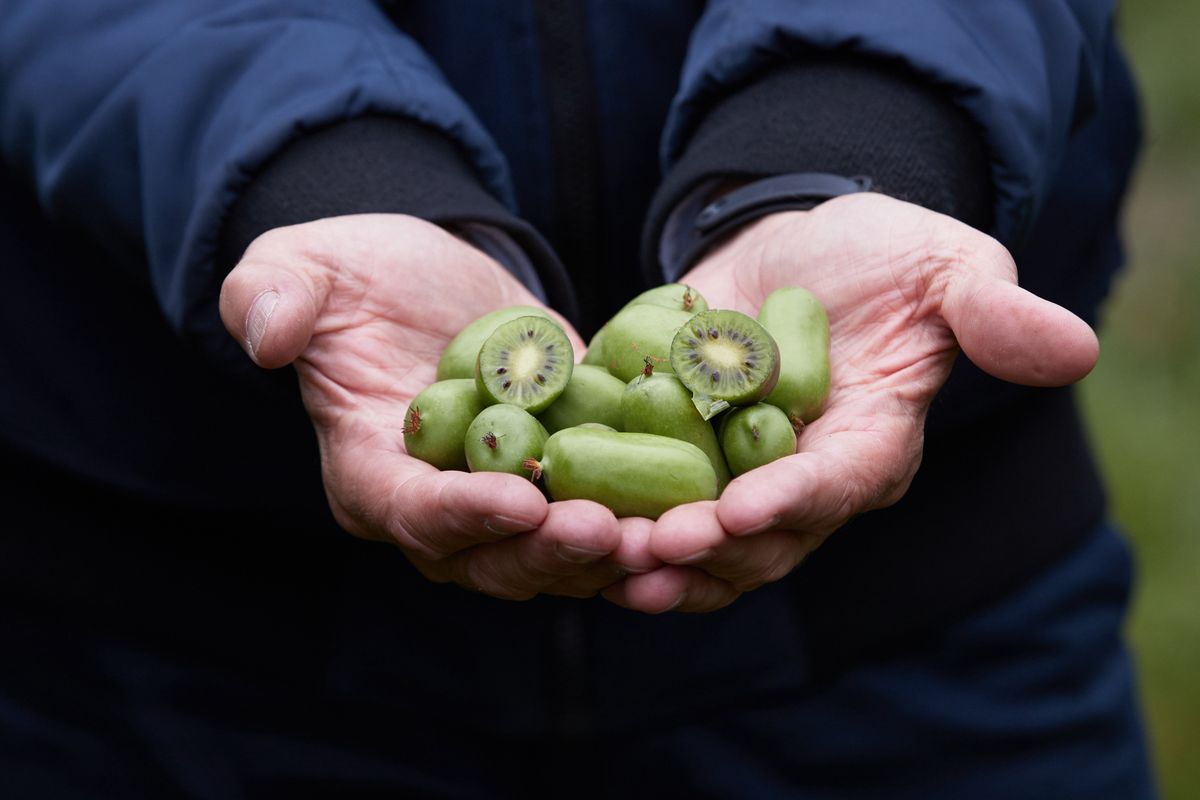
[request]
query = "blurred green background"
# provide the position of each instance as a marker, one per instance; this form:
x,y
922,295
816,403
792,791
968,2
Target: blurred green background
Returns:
x,y
1143,399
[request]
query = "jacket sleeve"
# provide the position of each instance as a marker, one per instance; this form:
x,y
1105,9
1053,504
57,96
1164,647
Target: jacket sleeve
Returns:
x,y
140,122
1025,72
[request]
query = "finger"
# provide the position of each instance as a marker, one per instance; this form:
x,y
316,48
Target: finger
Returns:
x,y
840,475
692,535
271,309
378,492
588,583
672,588
1011,333
575,535
633,554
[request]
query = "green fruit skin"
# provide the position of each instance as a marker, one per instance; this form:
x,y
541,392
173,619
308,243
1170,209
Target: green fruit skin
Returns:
x,y
756,435
458,359
516,434
485,394
662,405
592,395
698,384
594,357
800,326
447,410
596,426
673,296
633,474
639,332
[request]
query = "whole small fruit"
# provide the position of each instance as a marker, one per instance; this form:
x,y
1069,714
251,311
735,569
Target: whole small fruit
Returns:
x,y
437,420
592,395
633,474
501,438
800,325
754,436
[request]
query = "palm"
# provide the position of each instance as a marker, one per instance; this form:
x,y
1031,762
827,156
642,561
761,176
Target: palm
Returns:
x,y
904,288
363,306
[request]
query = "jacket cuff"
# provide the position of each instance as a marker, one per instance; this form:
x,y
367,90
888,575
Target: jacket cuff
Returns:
x,y
389,165
833,117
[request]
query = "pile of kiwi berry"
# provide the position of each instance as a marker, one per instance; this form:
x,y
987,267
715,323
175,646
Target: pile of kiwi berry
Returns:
x,y
671,401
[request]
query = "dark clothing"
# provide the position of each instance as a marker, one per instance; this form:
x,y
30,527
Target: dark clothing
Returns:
x,y
162,489
1030,699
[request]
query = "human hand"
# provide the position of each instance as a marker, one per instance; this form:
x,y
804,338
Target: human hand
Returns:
x,y
363,306
904,288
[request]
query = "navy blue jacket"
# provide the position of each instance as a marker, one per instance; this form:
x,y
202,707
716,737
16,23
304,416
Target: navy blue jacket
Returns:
x,y
130,132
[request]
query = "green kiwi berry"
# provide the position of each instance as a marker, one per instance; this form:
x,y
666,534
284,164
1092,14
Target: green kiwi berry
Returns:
x,y
501,438
676,296
592,395
639,336
458,359
725,356
661,404
437,420
594,356
800,325
633,474
526,362
756,435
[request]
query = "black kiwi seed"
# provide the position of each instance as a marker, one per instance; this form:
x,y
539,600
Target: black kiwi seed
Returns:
x,y
726,355
521,363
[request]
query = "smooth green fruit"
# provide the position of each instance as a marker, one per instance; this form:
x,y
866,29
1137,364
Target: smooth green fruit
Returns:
x,y
458,359
595,352
596,426
756,435
725,355
501,438
639,335
437,420
800,326
526,362
633,474
661,404
675,296
592,395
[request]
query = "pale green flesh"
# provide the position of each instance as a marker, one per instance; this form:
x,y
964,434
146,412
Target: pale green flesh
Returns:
x,y
756,435
725,355
447,409
639,333
662,405
633,474
501,437
458,359
592,395
514,354
800,326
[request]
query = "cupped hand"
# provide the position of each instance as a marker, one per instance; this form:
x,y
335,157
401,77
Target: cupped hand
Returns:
x,y
905,288
363,306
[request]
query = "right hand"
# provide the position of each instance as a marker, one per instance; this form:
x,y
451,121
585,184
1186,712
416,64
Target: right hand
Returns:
x,y
363,306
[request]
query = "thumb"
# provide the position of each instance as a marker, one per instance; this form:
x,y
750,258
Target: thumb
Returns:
x,y
272,310
1011,333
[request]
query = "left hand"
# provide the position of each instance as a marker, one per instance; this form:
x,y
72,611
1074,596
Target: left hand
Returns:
x,y
904,288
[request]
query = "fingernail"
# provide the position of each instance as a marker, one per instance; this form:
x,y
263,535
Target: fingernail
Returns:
x,y
773,522
578,555
259,318
678,602
694,557
506,525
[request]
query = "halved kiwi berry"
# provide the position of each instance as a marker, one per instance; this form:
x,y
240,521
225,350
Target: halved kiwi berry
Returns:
x,y
726,359
526,362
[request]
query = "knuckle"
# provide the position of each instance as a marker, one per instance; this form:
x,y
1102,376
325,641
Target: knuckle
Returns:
x,y
481,576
